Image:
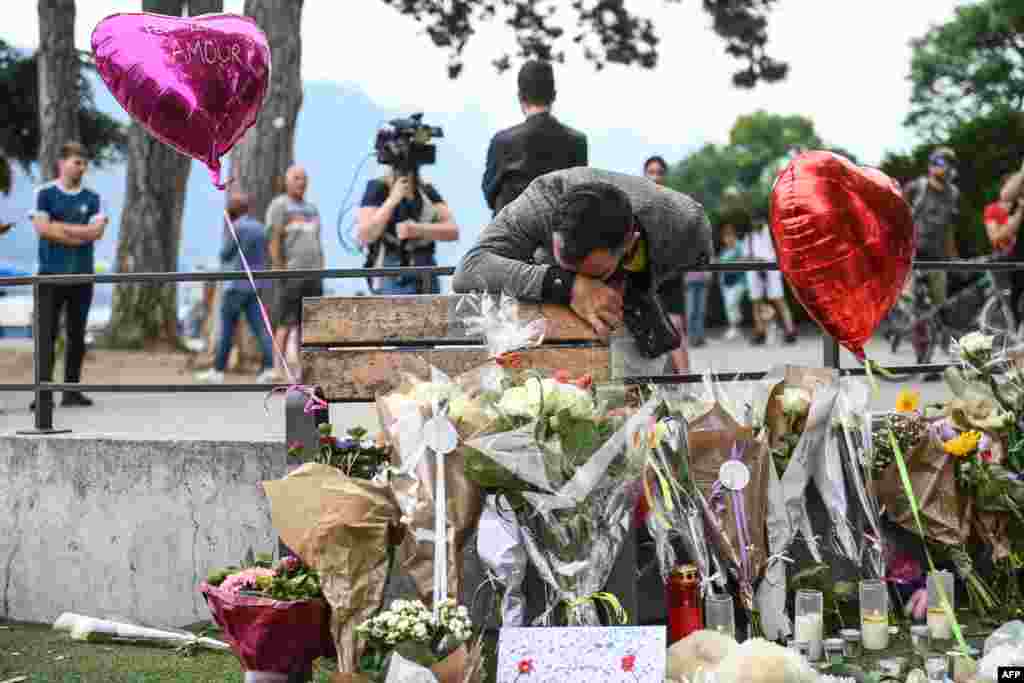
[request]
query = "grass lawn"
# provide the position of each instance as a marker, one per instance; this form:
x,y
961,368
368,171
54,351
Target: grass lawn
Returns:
x,y
42,655
35,653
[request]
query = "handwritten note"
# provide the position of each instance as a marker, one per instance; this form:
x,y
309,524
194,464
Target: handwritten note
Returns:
x,y
560,655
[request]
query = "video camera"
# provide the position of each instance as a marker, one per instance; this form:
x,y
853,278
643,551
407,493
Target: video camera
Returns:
x,y
404,145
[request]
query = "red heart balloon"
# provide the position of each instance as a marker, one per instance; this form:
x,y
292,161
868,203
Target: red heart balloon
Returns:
x,y
197,84
844,237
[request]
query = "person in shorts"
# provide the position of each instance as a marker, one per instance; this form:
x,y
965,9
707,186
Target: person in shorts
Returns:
x,y
294,243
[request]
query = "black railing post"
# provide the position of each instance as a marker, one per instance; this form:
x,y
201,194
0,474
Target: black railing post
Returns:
x,y
42,366
831,352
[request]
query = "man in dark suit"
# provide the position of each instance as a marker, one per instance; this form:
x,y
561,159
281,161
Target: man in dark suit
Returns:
x,y
538,145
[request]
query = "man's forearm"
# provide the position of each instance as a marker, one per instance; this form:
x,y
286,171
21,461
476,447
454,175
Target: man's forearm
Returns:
x,y
486,271
371,230
447,231
276,255
54,232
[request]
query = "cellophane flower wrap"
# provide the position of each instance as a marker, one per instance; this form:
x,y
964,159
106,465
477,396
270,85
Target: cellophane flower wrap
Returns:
x,y
568,472
672,495
734,511
270,635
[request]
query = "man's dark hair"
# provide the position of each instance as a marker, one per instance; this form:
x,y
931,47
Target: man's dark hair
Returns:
x,y
72,149
593,216
537,83
658,159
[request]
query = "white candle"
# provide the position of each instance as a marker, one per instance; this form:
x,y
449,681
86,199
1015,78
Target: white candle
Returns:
x,y
808,629
939,624
874,629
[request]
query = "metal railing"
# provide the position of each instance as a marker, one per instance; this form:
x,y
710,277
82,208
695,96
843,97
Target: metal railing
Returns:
x,y
43,347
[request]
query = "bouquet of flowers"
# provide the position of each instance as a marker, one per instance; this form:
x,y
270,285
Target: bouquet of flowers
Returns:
x,y
566,469
356,455
420,638
542,442
344,527
274,616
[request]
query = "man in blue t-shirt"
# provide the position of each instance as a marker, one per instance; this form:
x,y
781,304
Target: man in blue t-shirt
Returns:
x,y
68,218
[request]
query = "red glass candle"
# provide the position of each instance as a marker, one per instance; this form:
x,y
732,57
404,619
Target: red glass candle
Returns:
x,y
682,596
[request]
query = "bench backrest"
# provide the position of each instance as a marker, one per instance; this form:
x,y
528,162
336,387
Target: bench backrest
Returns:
x,y
355,347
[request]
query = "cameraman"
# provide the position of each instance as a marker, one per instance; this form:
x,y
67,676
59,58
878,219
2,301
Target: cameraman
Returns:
x,y
399,220
608,245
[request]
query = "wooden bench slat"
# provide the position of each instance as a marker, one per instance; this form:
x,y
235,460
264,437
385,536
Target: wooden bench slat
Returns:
x,y
354,375
404,320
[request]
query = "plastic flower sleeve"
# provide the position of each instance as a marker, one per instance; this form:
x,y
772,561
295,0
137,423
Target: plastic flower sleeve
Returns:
x,y
852,425
500,548
676,513
771,593
573,533
497,321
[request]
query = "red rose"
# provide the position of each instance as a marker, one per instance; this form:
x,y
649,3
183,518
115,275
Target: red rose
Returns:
x,y
628,662
563,376
585,381
526,666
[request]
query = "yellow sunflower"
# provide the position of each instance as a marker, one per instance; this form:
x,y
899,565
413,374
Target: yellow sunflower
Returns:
x,y
907,401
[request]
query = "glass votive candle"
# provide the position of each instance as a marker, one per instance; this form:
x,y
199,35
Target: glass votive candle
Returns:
x,y
892,667
809,618
935,667
874,615
921,639
719,615
851,643
939,622
833,650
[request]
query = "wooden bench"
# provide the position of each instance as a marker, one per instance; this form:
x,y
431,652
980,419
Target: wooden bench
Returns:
x,y
353,348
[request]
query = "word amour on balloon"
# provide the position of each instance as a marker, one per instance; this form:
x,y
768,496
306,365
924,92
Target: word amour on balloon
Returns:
x,y
197,50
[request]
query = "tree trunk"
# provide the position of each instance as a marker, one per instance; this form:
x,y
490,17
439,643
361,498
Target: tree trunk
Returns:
x,y
146,315
58,82
267,150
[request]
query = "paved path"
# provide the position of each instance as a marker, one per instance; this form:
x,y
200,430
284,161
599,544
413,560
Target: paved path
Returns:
x,y
244,417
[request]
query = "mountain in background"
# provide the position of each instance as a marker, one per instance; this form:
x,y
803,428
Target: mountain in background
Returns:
x,y
336,129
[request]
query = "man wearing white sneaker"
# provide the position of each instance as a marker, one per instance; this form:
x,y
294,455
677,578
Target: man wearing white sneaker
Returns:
x,y
239,296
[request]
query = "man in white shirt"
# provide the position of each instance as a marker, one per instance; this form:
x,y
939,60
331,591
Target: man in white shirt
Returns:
x,y
766,288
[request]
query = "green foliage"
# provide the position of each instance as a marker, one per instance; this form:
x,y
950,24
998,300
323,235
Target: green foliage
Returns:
x,y
970,67
605,31
101,134
988,147
735,179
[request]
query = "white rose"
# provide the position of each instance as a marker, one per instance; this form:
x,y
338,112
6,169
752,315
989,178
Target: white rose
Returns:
x,y
795,401
462,612
975,343
459,407
420,631
520,401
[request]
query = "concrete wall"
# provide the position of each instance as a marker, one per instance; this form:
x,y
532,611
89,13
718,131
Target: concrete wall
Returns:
x,y
123,528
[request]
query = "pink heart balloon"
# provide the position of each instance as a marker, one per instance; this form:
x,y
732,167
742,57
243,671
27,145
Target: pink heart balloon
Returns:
x,y
197,83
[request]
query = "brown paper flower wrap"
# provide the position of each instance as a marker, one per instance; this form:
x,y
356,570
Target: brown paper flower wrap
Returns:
x,y
340,527
711,441
948,514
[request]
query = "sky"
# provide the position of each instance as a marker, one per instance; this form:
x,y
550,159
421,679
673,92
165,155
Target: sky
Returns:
x,y
848,68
